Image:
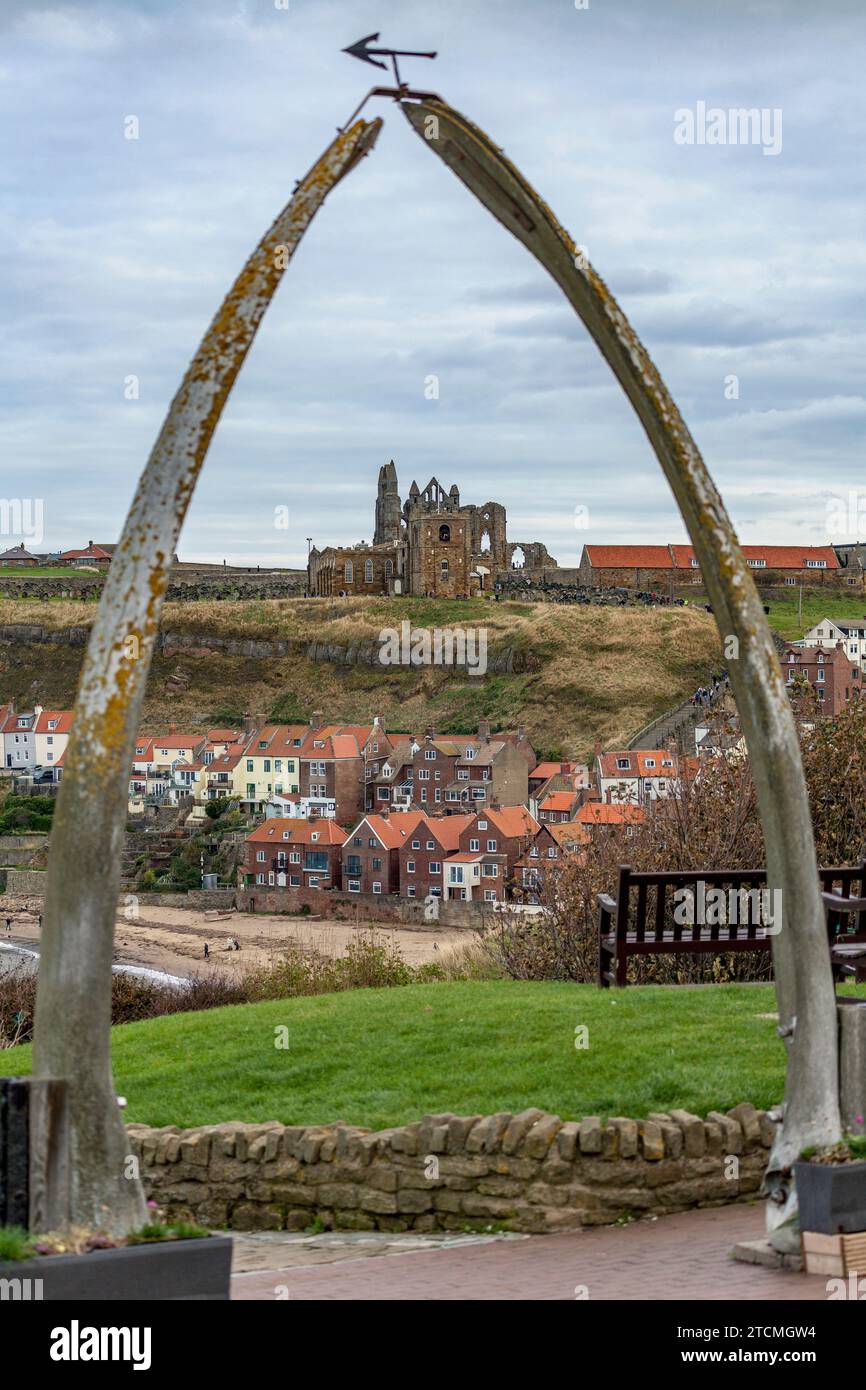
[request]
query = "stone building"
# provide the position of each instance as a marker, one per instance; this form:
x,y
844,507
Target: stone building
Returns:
x,y
433,544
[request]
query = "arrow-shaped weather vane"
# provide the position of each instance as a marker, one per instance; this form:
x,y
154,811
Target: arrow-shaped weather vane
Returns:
x,y
362,50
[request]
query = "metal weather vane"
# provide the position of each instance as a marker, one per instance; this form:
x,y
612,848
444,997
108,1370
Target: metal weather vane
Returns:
x,y
363,51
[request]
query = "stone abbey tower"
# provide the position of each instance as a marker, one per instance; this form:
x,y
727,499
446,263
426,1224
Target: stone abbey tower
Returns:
x,y
387,530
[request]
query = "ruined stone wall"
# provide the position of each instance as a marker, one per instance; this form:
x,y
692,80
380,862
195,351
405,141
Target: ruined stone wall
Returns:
x,y
528,1172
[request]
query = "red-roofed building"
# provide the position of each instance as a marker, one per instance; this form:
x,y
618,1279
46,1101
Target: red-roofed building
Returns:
x,y
658,567
549,847
52,730
371,853
607,814
636,775
831,676
294,853
92,556
426,849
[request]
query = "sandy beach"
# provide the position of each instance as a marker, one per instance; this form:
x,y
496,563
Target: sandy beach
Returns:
x,y
172,939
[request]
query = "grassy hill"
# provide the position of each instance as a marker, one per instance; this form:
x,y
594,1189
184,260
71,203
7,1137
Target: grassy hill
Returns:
x,y
381,1057
583,672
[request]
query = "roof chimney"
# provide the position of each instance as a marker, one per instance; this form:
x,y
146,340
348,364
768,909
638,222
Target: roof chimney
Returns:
x,y
378,721
172,728
521,732
249,724
484,729
429,734
316,719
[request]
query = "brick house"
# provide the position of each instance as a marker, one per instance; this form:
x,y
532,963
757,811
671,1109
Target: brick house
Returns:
x,y
289,853
500,835
558,807
332,769
423,856
660,567
832,675
548,848
461,773
371,852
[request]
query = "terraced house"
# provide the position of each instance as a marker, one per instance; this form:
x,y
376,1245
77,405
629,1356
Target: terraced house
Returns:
x,y
292,853
270,766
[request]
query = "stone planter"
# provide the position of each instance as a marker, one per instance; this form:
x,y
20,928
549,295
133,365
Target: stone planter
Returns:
x,y
166,1270
831,1197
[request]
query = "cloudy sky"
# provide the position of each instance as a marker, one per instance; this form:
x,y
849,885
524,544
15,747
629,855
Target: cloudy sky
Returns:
x,y
730,262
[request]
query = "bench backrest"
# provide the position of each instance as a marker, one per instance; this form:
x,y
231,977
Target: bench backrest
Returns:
x,y
651,905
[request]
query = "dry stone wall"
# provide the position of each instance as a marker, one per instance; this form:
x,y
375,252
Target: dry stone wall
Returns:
x,y
529,1172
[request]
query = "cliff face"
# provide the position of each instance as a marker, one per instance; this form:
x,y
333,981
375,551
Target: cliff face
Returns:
x,y
570,674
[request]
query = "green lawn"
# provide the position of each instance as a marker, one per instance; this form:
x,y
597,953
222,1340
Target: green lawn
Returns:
x,y
386,1057
817,604
43,572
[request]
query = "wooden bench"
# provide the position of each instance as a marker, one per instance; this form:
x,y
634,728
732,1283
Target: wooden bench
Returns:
x,y
640,921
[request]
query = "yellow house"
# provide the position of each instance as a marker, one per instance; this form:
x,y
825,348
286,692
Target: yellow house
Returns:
x,y
269,765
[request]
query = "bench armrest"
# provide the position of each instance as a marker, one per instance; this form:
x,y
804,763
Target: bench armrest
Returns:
x,y
606,903
836,903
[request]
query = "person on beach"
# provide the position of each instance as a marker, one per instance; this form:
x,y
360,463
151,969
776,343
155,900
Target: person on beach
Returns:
x,y
206,951
40,922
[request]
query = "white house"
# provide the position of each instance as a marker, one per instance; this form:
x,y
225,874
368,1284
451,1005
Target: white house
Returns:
x,y
636,776
851,632
52,731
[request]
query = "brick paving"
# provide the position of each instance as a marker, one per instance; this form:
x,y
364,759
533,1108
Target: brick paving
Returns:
x,y
682,1257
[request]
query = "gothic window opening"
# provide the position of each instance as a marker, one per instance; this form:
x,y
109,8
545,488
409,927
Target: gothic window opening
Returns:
x,y
348,572
444,533
368,571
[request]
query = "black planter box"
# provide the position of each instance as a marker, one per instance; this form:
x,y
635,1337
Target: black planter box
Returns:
x,y
167,1269
831,1197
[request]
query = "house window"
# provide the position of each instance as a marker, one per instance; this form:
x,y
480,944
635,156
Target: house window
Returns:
x,y
491,870
260,856
695,564
551,853
410,866
430,754
416,844
491,846
789,580
383,793
444,569
757,564
482,825
463,774
435,866
354,886
368,571
431,844
295,880
474,846
377,887
623,763
377,864
260,878
490,895
250,765
295,856
423,774
821,675
267,762
650,762
410,891
816,564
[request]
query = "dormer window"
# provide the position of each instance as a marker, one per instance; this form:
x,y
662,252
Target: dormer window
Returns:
x,y
315,835
623,763
469,754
